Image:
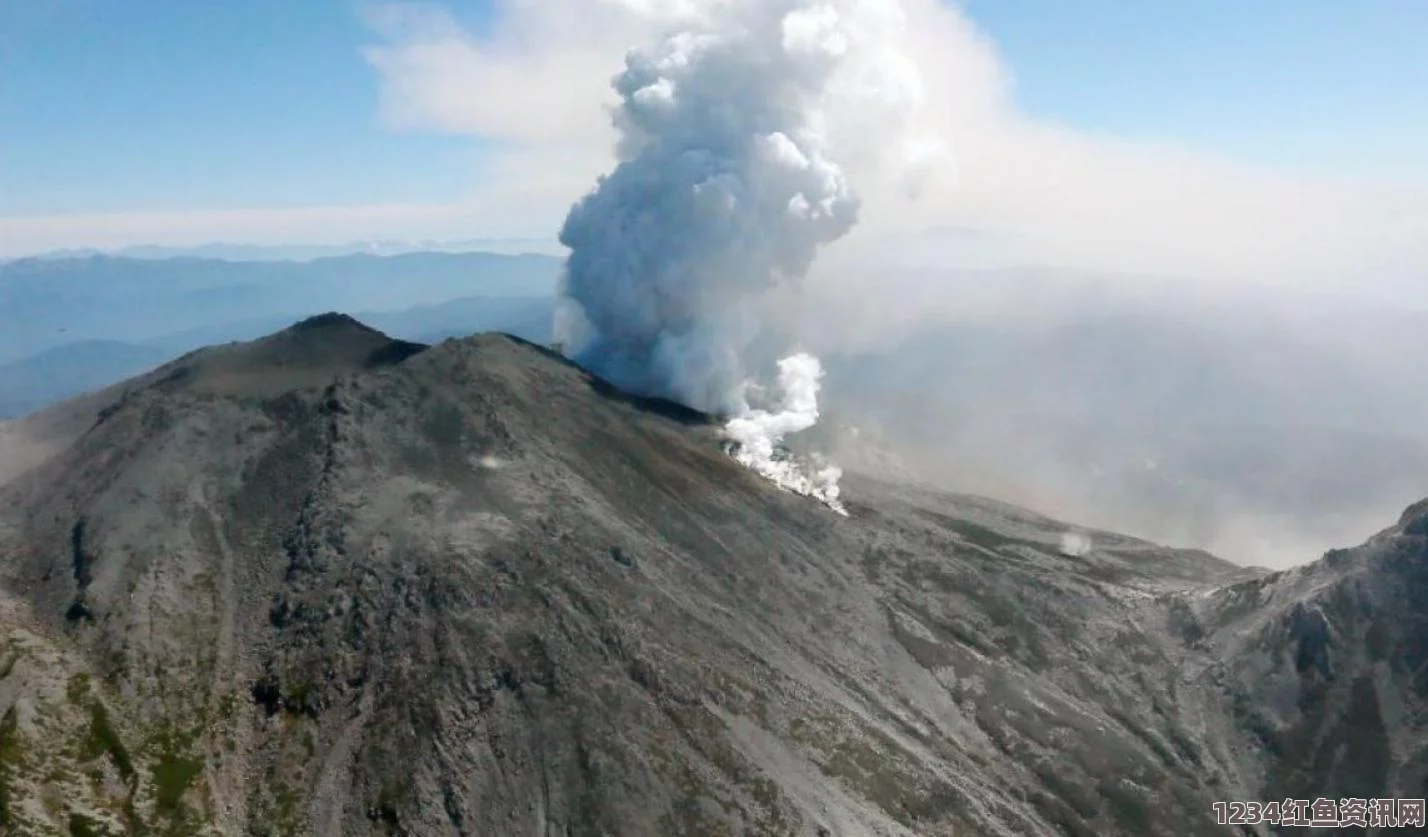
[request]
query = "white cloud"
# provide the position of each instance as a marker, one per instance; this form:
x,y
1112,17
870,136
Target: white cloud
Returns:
x,y
539,83
511,208
535,84
540,78
25,235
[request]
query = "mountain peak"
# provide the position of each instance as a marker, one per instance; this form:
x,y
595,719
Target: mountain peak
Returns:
x,y
331,321
1414,520
490,592
310,353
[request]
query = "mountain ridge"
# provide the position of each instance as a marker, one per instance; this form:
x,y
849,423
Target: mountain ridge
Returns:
x,y
330,583
48,303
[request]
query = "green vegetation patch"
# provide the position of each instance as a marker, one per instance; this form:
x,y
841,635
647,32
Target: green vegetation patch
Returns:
x,y
174,771
11,758
172,777
78,688
103,739
83,826
9,656
875,766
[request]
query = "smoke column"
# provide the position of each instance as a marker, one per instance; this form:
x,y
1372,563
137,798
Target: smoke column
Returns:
x,y
725,186
757,433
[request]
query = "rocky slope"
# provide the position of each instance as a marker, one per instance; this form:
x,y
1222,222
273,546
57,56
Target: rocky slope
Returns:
x,y
329,583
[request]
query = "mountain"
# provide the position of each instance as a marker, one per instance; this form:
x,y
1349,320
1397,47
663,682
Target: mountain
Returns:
x,y
333,583
34,382
69,370
308,252
529,318
526,317
1264,431
46,303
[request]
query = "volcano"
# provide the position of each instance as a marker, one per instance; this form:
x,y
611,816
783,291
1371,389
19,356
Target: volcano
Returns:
x,y
332,583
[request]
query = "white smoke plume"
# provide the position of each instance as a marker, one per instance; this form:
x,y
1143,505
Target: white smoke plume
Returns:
x,y
725,187
1075,544
757,434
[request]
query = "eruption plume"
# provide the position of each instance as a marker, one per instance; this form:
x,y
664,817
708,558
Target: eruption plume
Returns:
x,y
725,186
757,433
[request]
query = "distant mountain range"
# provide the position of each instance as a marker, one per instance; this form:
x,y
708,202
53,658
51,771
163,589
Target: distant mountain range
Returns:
x,y
47,303
71,325
71,369
1217,427
308,252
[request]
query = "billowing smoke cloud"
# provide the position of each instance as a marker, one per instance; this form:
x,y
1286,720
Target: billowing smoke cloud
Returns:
x,y
757,433
1008,382
726,187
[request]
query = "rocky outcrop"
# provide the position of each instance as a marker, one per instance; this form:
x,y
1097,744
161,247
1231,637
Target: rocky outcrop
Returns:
x,y
332,584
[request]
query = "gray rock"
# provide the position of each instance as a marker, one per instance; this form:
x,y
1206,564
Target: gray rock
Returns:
x,y
340,585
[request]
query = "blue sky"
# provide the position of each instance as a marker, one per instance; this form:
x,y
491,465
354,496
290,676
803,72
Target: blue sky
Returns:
x,y
1328,88
112,106
175,104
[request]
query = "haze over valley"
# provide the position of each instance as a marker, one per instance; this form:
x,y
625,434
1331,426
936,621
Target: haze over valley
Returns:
x,y
1265,431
